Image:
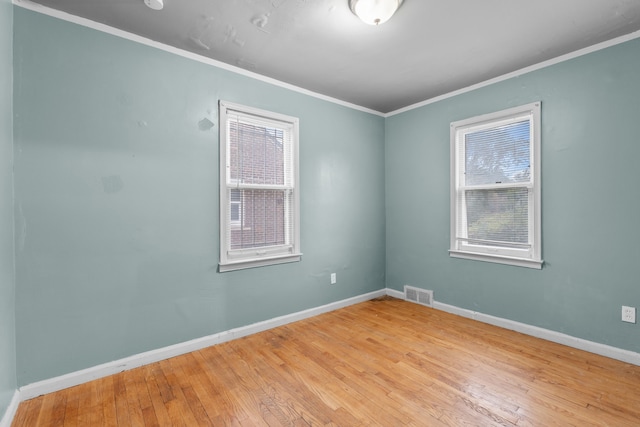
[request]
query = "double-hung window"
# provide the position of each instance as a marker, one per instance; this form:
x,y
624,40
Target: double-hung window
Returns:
x,y
259,192
495,187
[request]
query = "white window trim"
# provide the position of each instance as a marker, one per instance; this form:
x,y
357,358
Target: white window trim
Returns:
x,y
530,257
263,256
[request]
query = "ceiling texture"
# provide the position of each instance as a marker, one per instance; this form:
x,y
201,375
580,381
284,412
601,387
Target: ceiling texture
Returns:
x,y
428,48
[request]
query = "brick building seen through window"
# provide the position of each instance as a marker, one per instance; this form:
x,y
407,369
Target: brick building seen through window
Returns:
x,y
257,158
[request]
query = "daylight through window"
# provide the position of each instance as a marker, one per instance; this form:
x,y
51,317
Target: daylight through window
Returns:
x,y
258,195
495,187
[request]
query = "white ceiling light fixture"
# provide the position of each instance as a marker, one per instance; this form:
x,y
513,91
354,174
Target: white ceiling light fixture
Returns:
x,y
374,12
154,4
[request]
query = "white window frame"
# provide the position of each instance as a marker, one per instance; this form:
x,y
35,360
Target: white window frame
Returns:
x,y
261,256
462,247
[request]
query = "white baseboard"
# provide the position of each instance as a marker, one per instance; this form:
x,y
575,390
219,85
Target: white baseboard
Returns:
x,y
79,377
394,293
7,418
549,335
32,390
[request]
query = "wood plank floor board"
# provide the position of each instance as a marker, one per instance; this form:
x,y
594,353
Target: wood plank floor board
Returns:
x,y
281,387
134,405
137,388
155,388
224,381
28,412
312,376
201,384
210,392
179,412
109,416
72,410
255,396
544,409
83,394
47,414
384,362
185,382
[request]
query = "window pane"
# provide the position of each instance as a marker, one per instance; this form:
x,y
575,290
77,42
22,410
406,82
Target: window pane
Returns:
x,y
498,155
235,205
235,211
498,215
265,215
256,154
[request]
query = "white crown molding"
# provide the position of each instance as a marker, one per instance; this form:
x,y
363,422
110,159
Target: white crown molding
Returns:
x,y
29,5
35,7
520,72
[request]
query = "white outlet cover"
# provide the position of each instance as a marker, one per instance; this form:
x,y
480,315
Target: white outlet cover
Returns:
x,y
628,314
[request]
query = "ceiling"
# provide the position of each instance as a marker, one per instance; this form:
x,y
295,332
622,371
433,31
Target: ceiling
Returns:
x,y
428,48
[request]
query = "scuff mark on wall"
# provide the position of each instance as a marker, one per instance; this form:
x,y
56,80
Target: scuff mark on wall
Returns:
x,y
112,184
205,124
125,100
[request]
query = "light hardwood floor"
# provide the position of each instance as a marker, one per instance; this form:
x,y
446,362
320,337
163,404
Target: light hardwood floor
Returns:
x,y
384,362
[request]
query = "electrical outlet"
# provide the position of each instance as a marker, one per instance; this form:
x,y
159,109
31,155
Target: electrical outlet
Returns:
x,y
333,278
628,314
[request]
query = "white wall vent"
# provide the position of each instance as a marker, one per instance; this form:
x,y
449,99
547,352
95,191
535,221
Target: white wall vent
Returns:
x,y
417,295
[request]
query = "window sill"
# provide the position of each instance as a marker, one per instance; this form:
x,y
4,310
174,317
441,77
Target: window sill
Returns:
x,y
518,262
257,262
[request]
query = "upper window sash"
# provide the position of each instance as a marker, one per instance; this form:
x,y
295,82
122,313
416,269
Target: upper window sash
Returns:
x,y
287,126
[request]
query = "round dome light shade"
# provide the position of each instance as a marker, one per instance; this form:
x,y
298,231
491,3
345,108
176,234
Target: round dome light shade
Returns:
x,y
374,12
154,4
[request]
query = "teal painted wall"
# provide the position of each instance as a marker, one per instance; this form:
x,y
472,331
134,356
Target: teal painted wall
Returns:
x,y
116,200
116,212
7,282
590,203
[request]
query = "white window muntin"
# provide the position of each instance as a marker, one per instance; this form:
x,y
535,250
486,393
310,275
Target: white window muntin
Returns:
x,y
527,254
264,255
